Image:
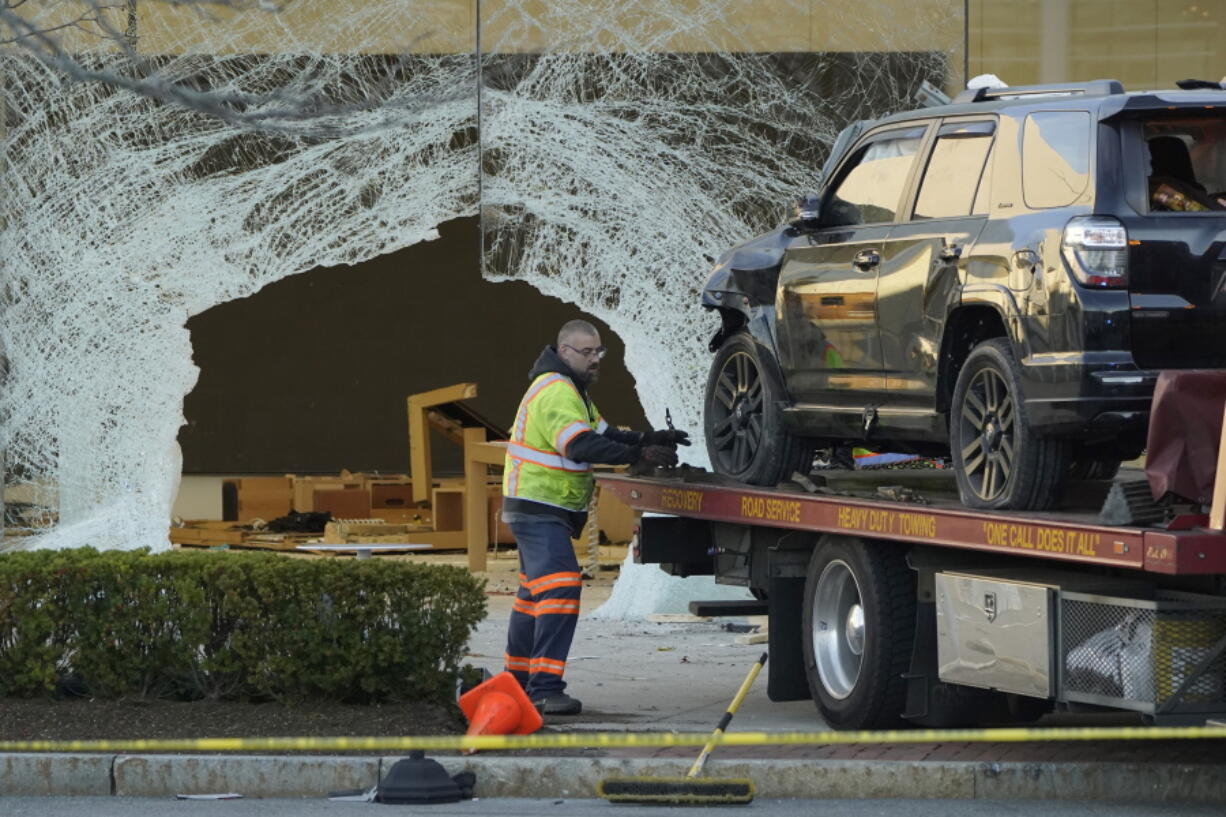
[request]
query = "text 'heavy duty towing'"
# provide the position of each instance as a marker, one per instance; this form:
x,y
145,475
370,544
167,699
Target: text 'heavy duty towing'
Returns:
x,y
884,611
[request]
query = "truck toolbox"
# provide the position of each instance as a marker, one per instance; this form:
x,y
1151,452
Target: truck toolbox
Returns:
x,y
995,634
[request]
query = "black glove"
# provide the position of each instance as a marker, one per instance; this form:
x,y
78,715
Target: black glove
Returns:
x,y
666,436
658,455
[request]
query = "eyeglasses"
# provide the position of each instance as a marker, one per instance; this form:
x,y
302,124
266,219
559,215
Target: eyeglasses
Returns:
x,y
598,353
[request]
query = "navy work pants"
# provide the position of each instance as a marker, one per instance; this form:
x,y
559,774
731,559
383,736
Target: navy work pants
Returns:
x,y
547,605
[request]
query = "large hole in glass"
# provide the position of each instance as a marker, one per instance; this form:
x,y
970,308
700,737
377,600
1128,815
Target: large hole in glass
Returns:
x,y
310,375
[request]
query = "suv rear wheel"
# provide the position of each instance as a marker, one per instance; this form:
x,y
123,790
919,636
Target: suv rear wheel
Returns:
x,y
999,461
743,423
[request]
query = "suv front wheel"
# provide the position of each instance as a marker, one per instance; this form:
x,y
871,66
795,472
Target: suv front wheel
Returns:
x,y
742,419
999,461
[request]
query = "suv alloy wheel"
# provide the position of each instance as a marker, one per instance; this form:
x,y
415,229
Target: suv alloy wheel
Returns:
x,y
999,460
744,426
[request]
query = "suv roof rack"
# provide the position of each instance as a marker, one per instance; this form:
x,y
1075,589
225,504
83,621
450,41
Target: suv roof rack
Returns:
x,y
1097,87
1201,85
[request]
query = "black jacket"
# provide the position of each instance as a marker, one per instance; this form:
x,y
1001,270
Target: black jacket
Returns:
x,y
613,447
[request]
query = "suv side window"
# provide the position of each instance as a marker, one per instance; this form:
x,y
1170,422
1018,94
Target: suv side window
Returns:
x,y
1055,158
952,176
872,186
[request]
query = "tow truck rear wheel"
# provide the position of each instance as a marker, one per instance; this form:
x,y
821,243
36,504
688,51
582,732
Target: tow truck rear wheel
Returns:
x,y
859,628
743,423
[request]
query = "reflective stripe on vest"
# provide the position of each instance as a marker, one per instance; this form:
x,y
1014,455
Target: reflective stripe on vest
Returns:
x,y
521,418
526,453
569,433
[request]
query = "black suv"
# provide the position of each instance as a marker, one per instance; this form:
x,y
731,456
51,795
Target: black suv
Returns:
x,y
999,279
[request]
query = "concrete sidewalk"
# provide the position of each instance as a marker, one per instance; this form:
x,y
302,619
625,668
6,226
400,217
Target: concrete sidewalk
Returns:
x,y
642,676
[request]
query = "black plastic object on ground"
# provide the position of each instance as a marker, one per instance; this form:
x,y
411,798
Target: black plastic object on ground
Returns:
x,y
419,780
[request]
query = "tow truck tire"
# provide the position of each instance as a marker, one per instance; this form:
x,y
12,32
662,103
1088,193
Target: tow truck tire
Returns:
x,y
742,419
999,461
859,630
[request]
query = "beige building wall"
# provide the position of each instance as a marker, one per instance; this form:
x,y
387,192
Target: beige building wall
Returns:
x,y
1143,43
317,26
534,26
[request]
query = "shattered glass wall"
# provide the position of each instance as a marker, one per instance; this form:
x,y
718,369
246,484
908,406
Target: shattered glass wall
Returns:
x,y
179,155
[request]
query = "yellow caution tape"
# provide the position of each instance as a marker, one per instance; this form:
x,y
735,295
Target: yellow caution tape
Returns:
x,y
617,740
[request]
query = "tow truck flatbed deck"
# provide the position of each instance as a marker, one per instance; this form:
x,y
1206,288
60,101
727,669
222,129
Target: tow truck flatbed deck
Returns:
x,y
1185,547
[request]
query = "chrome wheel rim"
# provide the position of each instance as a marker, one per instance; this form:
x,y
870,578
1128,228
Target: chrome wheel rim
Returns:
x,y
988,434
737,413
839,630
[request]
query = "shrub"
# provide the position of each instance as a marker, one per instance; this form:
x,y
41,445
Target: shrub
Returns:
x,y
233,626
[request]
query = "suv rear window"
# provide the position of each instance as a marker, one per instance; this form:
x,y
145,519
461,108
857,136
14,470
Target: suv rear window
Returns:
x,y
1055,158
1187,163
870,190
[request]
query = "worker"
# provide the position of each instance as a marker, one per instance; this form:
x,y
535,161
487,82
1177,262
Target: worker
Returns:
x,y
547,485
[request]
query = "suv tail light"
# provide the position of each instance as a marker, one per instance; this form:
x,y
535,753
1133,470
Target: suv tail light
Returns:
x,y
1096,249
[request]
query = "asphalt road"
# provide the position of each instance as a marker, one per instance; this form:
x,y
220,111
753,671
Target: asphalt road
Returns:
x,y
139,807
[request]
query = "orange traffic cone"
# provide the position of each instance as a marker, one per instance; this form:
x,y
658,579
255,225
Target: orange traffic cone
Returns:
x,y
499,706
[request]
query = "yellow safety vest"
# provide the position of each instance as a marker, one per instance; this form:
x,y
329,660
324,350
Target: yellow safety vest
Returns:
x,y
551,414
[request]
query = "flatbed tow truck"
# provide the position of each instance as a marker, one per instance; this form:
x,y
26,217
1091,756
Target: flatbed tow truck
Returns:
x,y
890,612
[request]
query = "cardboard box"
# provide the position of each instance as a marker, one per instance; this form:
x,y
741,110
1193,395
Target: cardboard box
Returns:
x,y
345,503
404,516
305,488
250,498
391,495
617,520
500,532
342,533
207,533
369,480
448,508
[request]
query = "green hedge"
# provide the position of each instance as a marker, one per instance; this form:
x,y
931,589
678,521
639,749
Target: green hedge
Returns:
x,y
232,626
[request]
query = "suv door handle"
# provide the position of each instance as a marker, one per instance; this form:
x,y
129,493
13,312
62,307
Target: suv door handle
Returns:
x,y
950,252
866,259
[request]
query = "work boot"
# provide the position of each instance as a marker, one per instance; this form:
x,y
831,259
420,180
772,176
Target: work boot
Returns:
x,y
558,703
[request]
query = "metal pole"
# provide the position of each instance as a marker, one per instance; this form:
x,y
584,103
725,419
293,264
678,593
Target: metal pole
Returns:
x,y
480,151
966,43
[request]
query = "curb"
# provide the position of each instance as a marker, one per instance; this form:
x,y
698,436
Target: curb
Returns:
x,y
251,775
576,777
